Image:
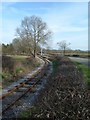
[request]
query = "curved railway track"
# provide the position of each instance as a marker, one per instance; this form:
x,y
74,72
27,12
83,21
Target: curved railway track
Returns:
x,y
14,95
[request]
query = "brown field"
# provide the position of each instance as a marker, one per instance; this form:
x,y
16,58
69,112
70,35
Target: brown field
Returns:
x,y
84,54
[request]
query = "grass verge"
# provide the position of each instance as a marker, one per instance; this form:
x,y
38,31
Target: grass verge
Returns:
x,y
55,65
85,71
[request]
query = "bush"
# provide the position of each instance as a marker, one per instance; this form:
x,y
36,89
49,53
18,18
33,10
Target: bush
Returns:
x,y
7,63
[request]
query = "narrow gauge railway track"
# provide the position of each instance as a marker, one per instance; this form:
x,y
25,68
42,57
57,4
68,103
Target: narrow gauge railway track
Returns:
x,y
22,89
22,84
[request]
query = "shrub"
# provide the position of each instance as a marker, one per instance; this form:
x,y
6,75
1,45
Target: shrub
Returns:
x,y
7,63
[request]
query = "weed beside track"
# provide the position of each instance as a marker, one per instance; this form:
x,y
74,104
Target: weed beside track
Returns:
x,y
15,67
64,97
25,94
85,71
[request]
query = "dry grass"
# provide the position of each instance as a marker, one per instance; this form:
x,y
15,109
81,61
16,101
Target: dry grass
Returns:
x,y
15,67
64,97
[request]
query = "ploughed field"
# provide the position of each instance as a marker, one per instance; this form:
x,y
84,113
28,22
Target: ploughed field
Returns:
x,y
65,96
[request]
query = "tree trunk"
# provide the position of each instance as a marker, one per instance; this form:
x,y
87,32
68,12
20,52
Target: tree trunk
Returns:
x,y
35,50
64,51
31,53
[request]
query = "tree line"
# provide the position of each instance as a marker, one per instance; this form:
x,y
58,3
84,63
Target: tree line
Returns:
x,y
32,33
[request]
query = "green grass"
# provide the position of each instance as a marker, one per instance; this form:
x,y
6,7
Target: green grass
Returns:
x,y
85,71
0,88
55,65
29,113
18,57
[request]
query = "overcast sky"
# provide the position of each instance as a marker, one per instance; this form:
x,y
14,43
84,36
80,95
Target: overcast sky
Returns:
x,y
67,20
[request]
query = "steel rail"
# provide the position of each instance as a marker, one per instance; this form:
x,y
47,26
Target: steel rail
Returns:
x,y
28,90
11,91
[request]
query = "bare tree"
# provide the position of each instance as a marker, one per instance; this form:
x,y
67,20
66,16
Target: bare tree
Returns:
x,y
22,46
63,45
32,32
